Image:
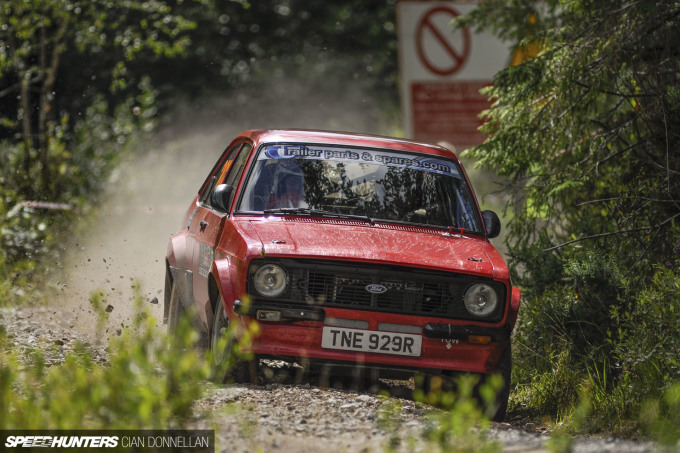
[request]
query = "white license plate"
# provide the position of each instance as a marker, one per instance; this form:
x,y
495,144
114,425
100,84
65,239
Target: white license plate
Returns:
x,y
371,341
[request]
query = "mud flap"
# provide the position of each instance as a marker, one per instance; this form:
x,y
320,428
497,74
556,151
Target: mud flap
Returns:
x,y
185,287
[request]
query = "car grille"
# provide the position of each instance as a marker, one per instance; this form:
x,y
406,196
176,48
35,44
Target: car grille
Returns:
x,y
408,291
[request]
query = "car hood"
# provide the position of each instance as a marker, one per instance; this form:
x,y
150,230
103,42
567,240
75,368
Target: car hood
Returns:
x,y
384,243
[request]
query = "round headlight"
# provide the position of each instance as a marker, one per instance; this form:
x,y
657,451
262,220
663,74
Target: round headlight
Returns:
x,y
270,280
480,300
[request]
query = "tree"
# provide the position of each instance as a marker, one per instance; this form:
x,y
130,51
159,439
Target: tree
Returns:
x,y
589,128
36,38
234,42
587,134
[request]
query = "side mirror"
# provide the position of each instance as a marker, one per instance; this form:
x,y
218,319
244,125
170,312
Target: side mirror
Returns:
x,y
221,197
492,224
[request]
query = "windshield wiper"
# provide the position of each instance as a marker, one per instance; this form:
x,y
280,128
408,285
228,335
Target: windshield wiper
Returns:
x,y
317,213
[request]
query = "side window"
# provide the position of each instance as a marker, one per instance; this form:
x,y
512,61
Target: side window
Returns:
x,y
234,175
218,172
230,171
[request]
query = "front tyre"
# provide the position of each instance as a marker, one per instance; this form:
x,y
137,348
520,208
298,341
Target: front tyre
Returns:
x,y
438,388
226,365
499,408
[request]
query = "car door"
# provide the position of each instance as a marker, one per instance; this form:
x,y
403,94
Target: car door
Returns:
x,y
207,223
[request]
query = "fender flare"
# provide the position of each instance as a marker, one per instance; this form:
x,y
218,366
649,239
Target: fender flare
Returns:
x,y
514,307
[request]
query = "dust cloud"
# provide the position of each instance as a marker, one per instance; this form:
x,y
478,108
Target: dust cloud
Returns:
x,y
124,245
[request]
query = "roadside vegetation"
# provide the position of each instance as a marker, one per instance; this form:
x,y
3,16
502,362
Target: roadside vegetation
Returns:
x,y
586,134
149,381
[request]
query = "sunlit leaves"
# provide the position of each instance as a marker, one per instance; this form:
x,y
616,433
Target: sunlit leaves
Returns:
x,y
585,133
104,38
594,106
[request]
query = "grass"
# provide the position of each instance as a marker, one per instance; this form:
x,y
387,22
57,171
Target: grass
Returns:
x,y
461,424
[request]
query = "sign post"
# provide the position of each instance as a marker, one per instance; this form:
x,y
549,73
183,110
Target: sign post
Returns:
x,y
442,70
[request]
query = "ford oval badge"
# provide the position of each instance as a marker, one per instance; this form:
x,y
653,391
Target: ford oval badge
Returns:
x,y
375,288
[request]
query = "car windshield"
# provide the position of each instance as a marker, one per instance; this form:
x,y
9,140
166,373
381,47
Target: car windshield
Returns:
x,y
354,182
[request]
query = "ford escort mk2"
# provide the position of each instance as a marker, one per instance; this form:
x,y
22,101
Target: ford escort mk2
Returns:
x,y
349,252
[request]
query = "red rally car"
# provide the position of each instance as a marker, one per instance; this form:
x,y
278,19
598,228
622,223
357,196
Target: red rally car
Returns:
x,y
349,251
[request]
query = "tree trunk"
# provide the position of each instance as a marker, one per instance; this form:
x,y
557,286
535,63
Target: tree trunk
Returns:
x,y
48,78
27,133
26,126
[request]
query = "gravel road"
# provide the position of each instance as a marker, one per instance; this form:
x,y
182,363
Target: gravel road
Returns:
x,y
120,253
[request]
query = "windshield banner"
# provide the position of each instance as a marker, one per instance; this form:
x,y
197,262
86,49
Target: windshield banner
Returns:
x,y
412,161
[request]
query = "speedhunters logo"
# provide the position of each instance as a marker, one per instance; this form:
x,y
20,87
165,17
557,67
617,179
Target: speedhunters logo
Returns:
x,y
62,441
109,440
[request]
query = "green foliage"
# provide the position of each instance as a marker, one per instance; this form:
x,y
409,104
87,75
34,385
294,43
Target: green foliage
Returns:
x,y
43,89
352,39
587,126
459,424
647,343
584,134
574,315
661,417
30,233
150,382
463,425
5,285
549,389
71,102
573,356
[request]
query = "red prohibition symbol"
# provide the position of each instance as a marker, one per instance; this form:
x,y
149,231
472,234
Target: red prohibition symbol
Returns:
x,y
455,52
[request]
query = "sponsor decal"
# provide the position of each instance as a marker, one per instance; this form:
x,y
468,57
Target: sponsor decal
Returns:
x,y
375,288
412,161
207,254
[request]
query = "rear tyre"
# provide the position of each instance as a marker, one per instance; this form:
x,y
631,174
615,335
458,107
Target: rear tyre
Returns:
x,y
176,310
226,365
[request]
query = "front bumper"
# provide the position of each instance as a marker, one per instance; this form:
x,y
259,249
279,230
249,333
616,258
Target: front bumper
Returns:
x,y
296,331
